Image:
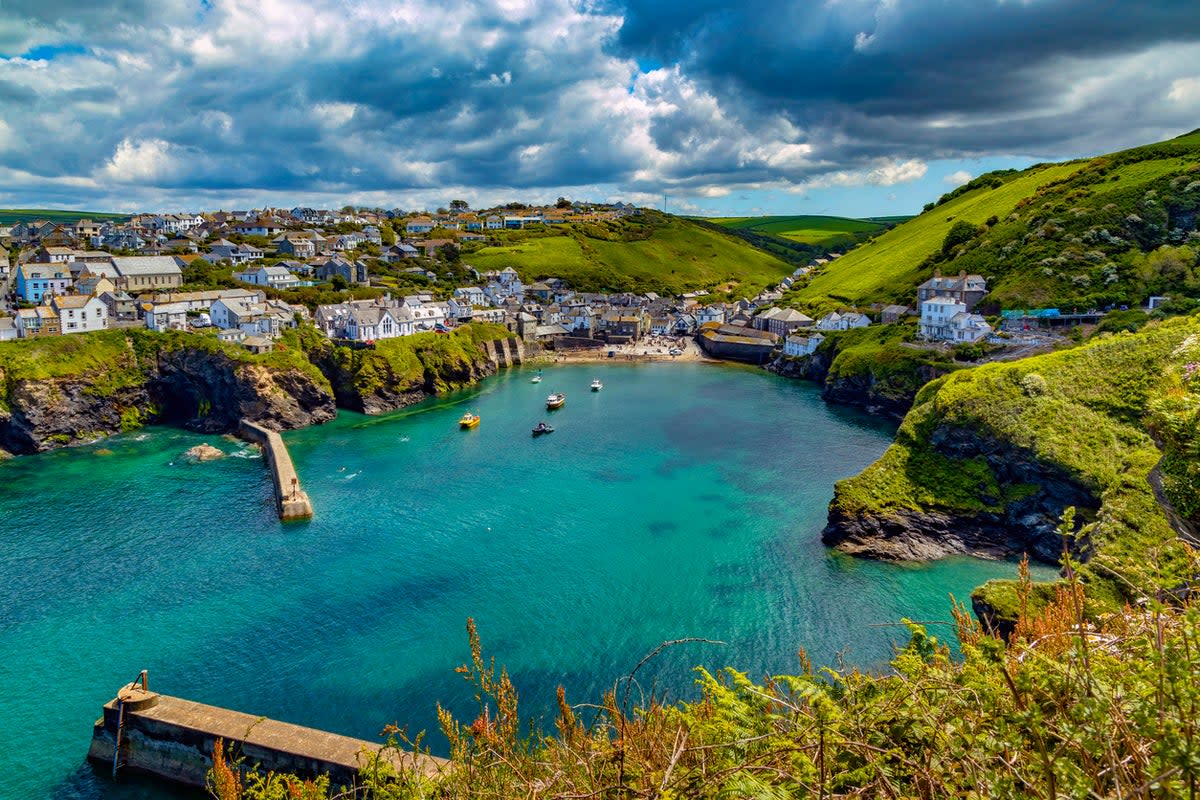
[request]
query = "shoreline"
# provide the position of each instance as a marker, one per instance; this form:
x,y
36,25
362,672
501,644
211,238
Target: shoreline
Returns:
x,y
650,351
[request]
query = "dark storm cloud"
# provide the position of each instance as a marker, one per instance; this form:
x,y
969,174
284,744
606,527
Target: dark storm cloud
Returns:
x,y
142,99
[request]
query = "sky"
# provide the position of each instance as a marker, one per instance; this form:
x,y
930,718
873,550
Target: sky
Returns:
x,y
849,107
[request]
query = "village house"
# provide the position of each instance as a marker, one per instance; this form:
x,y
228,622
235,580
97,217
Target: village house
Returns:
x,y
946,319
354,274
472,295
79,313
236,254
295,245
119,304
147,273
836,321
275,277
418,225
35,281
966,289
166,316
802,345
34,322
91,283
893,313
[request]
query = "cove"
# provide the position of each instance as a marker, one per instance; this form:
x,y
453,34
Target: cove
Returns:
x,y
683,500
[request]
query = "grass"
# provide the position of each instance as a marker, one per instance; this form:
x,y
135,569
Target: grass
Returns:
x,y
11,216
888,268
668,255
817,230
1079,413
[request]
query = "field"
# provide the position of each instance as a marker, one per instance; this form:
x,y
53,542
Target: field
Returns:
x,y
663,254
889,268
820,231
11,216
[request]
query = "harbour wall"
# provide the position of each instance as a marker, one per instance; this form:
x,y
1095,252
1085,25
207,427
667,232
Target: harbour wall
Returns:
x,y
173,739
505,352
290,499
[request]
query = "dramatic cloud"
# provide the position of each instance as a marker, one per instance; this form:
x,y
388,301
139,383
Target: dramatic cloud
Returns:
x,y
190,103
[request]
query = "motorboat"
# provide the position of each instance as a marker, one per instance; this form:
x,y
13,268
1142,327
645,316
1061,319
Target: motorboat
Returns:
x,y
597,385
541,428
556,400
536,378
468,420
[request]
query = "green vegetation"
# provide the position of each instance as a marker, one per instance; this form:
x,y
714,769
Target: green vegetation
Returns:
x,y
112,360
11,216
425,362
1059,710
831,233
888,269
650,252
1106,232
1079,413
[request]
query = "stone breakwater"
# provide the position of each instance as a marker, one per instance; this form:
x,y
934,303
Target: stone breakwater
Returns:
x,y
172,738
290,499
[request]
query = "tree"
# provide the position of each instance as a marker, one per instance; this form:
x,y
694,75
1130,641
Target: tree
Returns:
x,y
387,234
962,231
562,202
459,205
339,283
450,252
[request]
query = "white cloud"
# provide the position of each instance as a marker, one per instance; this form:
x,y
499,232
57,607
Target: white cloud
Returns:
x,y
1185,91
144,161
957,178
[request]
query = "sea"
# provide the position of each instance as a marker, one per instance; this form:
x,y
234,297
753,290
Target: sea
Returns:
x,y
680,502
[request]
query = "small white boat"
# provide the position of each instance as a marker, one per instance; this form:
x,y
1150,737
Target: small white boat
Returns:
x,y
536,378
597,385
556,400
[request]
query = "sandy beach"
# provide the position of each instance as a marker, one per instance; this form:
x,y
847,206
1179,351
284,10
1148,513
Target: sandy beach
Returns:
x,y
652,348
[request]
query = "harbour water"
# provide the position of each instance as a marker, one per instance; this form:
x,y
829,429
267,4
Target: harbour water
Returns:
x,y
679,501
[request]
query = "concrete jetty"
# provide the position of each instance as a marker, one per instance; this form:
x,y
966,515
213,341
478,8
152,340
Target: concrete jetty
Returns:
x,y
172,738
292,501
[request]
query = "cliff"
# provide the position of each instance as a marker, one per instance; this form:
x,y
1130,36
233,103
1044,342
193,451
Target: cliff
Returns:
x,y
65,390
399,372
989,458
868,367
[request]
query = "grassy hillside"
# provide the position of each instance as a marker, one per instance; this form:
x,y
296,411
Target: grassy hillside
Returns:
x,y
653,252
822,231
889,268
1076,234
1081,413
10,216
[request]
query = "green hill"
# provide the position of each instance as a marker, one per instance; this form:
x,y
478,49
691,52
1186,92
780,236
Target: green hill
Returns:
x,y
1074,235
821,231
11,216
649,252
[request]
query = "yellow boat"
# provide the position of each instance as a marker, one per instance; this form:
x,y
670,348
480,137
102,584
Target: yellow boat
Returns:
x,y
468,420
556,400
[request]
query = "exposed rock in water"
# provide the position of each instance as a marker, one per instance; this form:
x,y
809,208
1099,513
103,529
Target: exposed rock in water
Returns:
x,y
203,452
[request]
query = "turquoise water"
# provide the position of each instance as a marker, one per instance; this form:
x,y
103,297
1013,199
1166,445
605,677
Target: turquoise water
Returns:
x,y
681,501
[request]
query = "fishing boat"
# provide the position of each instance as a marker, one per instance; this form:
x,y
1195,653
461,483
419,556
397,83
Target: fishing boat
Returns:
x,y
468,420
556,400
596,385
541,428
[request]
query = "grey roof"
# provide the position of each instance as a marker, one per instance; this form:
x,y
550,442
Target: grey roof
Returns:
x,y
146,265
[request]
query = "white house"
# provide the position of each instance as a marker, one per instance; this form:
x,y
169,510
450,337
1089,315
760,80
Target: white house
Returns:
x,y
473,295
802,345
966,327
276,277
80,313
936,313
842,322
167,316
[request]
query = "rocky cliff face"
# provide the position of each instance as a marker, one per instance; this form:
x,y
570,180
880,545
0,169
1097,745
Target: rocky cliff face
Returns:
x,y
891,393
201,389
1026,523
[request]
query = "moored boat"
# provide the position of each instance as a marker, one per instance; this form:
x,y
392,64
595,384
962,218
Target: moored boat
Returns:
x,y
556,400
468,420
596,385
541,428
536,378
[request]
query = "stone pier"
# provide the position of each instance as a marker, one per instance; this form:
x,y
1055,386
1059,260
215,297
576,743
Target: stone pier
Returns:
x,y
291,500
173,739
